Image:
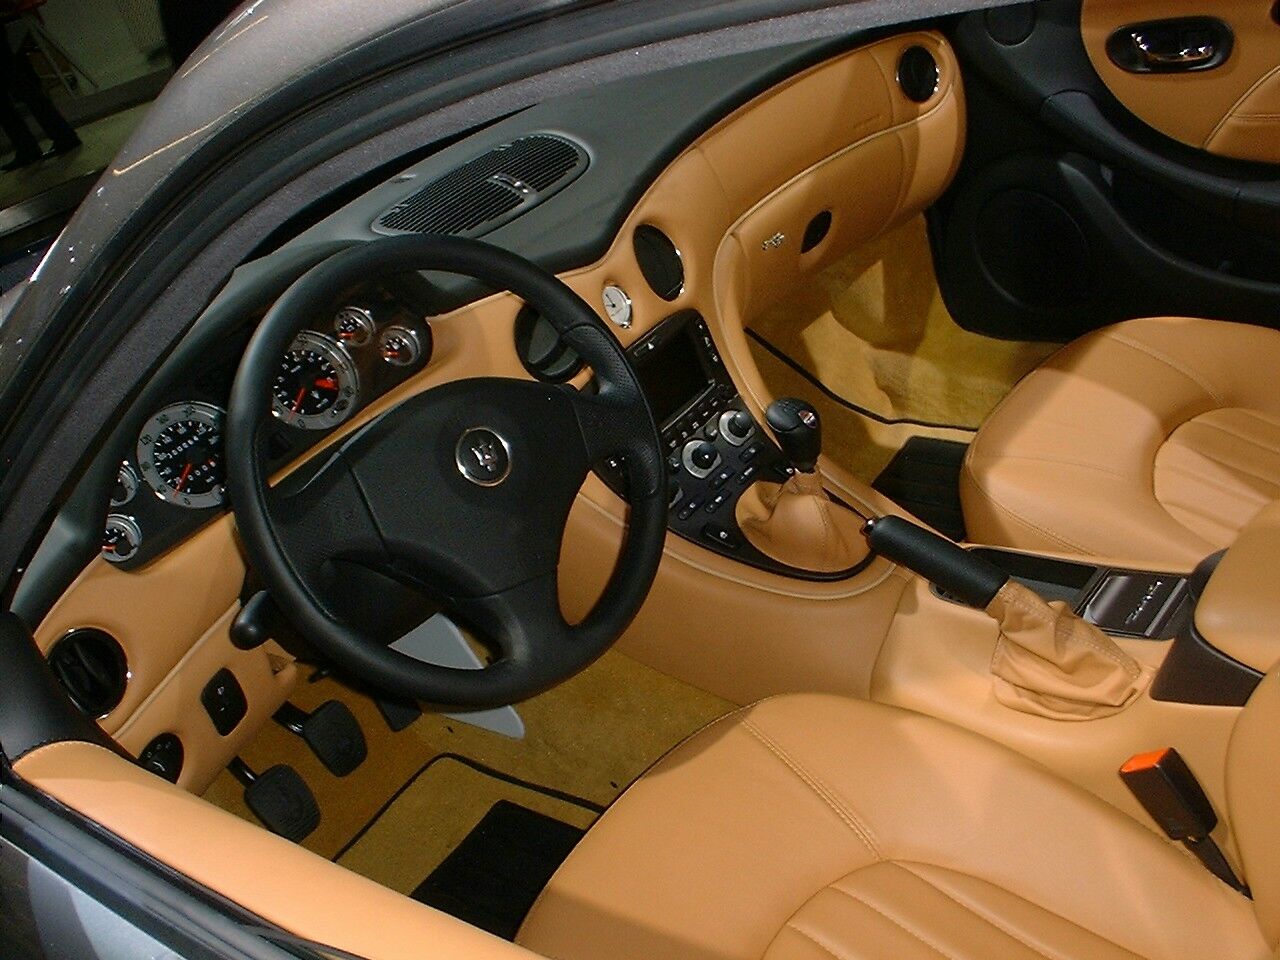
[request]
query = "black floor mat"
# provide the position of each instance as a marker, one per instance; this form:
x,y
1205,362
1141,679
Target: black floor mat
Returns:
x,y
495,874
924,477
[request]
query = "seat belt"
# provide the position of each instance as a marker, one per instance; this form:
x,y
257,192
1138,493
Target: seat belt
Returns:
x,y
1167,789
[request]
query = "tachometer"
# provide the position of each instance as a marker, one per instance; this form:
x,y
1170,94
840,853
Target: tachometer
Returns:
x,y
317,385
180,454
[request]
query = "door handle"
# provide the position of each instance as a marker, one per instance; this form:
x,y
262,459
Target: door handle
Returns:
x,y
1184,44
1177,56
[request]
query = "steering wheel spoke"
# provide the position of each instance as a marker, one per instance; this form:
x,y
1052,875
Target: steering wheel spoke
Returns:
x,y
461,492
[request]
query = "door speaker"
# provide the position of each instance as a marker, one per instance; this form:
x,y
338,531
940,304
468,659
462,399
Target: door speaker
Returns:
x,y
1033,250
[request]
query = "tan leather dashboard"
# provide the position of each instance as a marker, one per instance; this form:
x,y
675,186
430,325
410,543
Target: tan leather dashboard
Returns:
x,y
1232,110
839,137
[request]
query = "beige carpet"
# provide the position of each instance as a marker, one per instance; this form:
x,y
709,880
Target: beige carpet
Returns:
x,y
589,737
437,809
873,330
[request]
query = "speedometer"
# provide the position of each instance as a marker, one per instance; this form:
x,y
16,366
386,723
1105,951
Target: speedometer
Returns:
x,y
316,386
180,454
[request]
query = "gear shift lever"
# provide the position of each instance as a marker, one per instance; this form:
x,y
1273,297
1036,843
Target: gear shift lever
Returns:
x,y
799,431
796,523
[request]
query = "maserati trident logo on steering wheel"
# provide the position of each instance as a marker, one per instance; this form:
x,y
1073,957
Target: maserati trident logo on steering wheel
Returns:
x,y
483,456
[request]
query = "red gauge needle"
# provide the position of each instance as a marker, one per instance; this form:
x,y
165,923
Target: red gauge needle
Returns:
x,y
327,383
182,480
297,402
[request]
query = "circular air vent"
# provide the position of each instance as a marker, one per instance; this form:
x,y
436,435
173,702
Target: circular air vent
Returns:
x,y
918,74
90,664
541,350
659,261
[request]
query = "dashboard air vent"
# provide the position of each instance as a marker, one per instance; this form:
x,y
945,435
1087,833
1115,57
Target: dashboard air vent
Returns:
x,y
90,664
489,190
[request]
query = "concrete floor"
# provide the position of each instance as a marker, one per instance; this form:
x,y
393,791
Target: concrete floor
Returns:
x,y
102,139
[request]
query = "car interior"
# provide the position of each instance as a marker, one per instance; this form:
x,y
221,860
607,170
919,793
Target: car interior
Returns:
x,y
817,502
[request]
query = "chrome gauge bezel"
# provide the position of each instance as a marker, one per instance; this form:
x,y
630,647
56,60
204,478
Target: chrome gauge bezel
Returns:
x,y
411,340
363,329
191,410
348,384
129,527
127,478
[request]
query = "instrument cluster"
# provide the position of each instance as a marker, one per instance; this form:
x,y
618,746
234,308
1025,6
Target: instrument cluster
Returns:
x,y
175,476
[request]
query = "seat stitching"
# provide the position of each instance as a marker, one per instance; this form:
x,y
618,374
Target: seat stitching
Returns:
x,y
1001,457
1240,436
817,941
1188,472
828,796
1244,493
1172,364
1063,541
989,919
896,922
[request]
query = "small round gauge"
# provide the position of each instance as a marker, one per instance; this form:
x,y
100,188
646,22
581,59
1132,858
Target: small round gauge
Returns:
x,y
400,346
354,326
617,305
317,385
126,485
180,454
121,538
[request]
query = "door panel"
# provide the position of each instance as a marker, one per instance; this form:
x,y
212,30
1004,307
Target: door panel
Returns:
x,y
1068,213
1231,109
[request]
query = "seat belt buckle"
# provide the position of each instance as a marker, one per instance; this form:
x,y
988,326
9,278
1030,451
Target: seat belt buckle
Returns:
x,y
1164,785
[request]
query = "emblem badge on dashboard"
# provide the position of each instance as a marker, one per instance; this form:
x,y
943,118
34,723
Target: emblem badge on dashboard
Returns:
x,y
483,456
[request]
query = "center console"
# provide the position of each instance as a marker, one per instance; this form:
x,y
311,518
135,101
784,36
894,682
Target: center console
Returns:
x,y
715,448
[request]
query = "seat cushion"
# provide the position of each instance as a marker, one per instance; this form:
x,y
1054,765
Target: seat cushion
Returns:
x,y
1152,440
811,826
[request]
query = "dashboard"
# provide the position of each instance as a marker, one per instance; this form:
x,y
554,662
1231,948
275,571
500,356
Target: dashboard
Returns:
x,y
172,480
718,195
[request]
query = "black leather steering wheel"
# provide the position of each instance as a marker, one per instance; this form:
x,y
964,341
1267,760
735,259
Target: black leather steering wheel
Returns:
x,y
461,492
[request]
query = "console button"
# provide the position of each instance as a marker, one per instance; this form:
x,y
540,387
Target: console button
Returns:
x,y
223,699
689,509
749,454
721,478
747,475
716,502
721,536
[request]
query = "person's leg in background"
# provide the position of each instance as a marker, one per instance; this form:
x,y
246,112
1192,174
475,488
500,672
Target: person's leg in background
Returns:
x,y
20,82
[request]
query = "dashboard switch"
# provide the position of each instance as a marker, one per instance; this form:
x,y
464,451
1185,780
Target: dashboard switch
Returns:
x,y
722,536
223,699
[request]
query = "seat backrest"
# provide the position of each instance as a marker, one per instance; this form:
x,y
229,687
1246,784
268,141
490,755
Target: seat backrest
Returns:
x,y
1253,798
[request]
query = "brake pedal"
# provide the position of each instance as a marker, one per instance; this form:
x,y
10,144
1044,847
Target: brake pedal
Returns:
x,y
331,731
280,798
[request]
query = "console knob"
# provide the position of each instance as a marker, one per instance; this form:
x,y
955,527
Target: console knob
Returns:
x,y
799,431
700,457
703,455
736,426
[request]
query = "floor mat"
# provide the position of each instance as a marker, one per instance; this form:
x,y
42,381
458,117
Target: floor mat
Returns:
x,y
589,737
924,478
873,331
431,816
493,877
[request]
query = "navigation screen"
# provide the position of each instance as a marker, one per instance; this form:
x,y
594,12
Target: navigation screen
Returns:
x,y
672,375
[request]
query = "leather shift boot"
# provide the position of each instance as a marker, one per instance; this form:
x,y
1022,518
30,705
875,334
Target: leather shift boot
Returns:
x,y
1051,663
796,523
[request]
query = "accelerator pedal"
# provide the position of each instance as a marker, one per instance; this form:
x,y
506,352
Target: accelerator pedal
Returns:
x,y
331,731
280,798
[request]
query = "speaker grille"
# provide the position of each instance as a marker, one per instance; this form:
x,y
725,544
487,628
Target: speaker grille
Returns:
x,y
489,190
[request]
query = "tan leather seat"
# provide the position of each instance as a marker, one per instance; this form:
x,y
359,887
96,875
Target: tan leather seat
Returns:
x,y
1153,439
812,826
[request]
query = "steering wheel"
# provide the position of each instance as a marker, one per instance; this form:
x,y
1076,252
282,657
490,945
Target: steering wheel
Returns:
x,y
461,492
